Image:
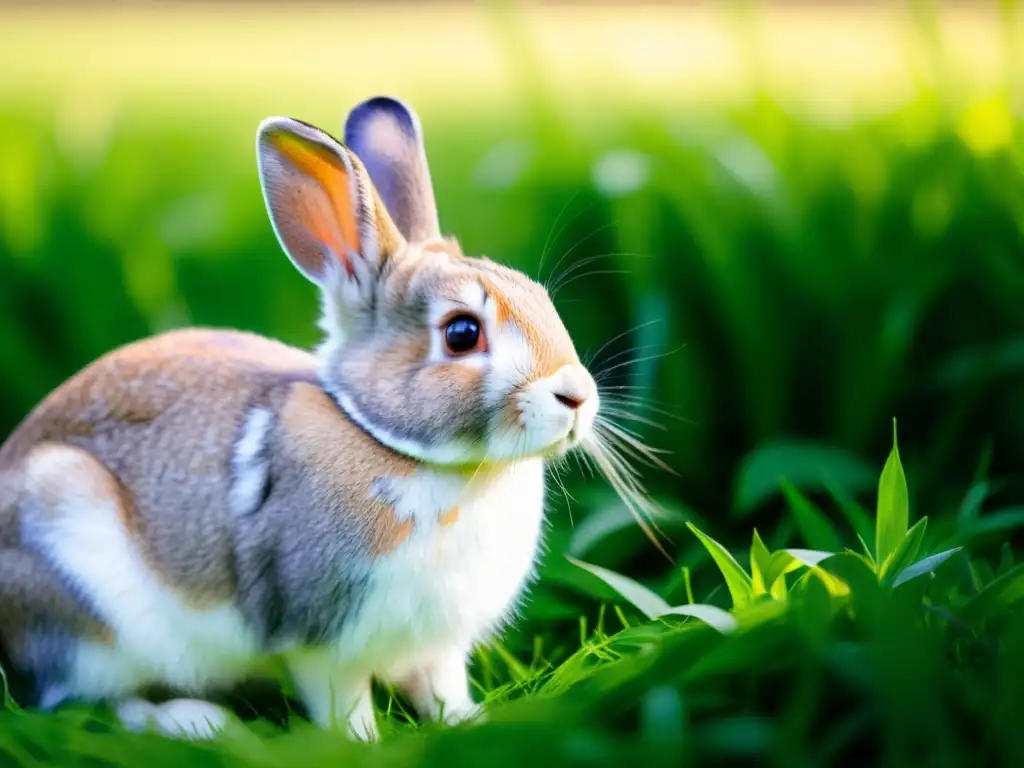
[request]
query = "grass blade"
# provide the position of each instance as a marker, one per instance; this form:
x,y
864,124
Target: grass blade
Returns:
x,y
893,505
760,565
809,466
643,599
782,563
997,595
1002,522
809,557
712,615
927,565
906,551
736,579
855,514
866,548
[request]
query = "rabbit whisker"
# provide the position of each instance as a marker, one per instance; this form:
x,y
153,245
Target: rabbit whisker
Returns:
x,y
644,359
578,243
616,337
624,480
553,236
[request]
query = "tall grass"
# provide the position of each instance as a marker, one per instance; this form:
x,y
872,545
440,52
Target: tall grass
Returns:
x,y
785,283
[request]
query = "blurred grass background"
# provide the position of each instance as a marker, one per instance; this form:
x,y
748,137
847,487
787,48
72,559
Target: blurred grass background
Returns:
x,y
805,219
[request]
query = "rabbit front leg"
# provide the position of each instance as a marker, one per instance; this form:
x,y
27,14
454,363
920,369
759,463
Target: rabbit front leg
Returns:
x,y
440,688
333,694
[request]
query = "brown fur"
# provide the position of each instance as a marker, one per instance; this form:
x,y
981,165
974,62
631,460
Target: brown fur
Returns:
x,y
348,463
449,517
529,310
389,534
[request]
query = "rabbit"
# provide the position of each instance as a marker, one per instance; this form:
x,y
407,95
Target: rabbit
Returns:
x,y
194,505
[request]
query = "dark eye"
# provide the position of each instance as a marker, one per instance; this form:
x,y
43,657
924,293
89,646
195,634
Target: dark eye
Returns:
x,y
462,334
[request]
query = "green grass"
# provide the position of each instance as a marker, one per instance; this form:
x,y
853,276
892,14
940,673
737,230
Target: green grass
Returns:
x,y
892,653
786,280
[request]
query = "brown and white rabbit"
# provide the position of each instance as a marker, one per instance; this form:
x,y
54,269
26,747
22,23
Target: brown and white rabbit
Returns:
x,y
193,504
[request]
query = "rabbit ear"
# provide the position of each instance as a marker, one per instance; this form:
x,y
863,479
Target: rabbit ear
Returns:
x,y
323,207
386,136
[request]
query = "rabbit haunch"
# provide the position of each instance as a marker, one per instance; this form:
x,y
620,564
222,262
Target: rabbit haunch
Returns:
x,y
388,579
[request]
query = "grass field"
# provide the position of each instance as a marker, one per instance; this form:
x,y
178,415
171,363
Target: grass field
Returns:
x,y
805,221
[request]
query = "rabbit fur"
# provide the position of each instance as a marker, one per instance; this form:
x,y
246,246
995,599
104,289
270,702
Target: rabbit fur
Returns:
x,y
195,503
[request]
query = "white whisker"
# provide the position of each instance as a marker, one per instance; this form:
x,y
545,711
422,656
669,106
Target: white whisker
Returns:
x,y
635,448
624,481
581,241
648,358
618,336
620,354
633,417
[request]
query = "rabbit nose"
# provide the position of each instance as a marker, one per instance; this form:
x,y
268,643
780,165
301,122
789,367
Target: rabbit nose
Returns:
x,y
569,401
575,388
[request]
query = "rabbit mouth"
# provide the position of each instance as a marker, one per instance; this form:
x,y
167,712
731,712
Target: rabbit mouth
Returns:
x,y
575,436
571,440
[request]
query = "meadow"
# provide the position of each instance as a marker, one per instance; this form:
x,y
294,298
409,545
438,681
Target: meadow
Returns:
x,y
799,245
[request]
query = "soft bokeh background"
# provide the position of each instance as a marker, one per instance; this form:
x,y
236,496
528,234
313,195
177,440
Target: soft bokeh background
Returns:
x,y
805,219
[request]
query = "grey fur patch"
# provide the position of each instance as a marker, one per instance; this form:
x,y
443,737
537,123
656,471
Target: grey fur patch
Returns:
x,y
298,580
41,615
302,566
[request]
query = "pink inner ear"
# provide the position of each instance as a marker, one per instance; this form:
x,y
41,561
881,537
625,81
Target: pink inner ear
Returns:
x,y
320,234
314,209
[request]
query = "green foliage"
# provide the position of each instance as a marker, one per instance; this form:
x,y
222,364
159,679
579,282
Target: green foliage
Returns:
x,y
760,289
847,611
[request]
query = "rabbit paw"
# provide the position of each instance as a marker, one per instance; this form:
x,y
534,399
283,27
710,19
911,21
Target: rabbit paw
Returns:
x,y
191,719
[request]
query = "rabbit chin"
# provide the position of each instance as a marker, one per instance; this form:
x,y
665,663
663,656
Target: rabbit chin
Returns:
x,y
512,444
543,430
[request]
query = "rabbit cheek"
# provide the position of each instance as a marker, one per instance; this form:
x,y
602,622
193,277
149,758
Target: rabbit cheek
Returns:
x,y
434,412
461,413
511,364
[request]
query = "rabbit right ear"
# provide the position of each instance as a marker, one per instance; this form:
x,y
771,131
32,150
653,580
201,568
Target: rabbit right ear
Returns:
x,y
386,136
323,206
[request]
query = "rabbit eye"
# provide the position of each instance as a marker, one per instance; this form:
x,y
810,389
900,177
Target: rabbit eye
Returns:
x,y
462,335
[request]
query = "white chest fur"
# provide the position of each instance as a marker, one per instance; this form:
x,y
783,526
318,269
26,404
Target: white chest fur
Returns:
x,y
460,573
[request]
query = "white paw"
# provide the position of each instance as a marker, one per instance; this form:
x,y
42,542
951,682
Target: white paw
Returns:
x,y
176,719
454,715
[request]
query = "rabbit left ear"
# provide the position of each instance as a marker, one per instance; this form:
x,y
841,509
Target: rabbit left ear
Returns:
x,y
322,203
385,135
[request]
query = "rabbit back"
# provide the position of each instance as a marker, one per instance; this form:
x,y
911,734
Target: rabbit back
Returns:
x,y
163,415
